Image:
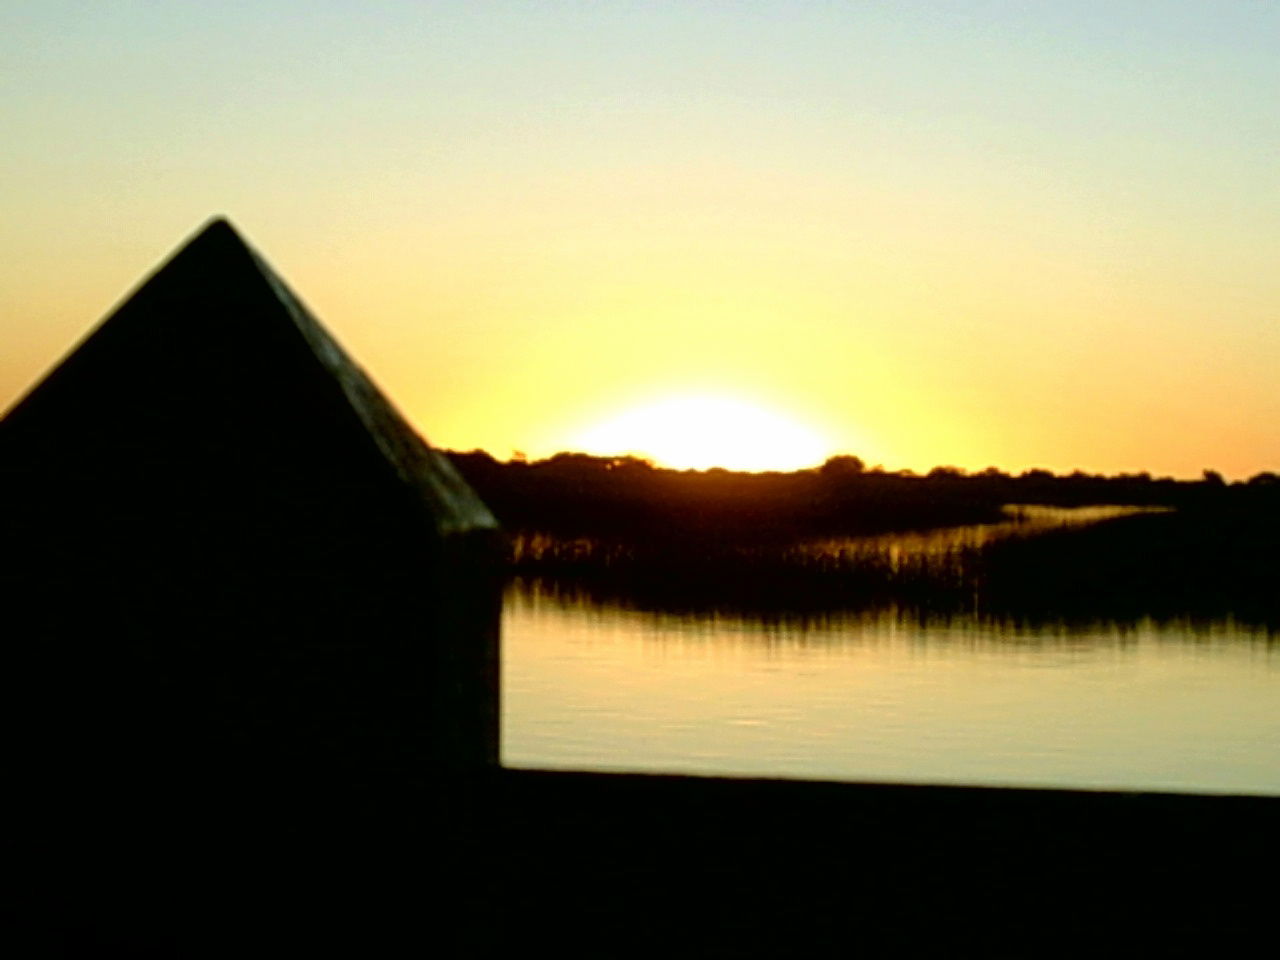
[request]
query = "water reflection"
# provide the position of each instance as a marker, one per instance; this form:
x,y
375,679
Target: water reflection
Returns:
x,y
890,694
532,598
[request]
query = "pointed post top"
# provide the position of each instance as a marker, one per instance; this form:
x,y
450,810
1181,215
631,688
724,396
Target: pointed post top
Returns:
x,y
229,561
213,361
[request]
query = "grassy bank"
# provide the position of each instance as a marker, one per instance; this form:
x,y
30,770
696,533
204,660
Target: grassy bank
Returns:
x,y
619,530
1160,566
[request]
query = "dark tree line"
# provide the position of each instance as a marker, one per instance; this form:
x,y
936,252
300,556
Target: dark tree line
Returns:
x,y
575,494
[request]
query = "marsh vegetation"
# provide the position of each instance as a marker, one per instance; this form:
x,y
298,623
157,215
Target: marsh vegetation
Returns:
x,y
1035,546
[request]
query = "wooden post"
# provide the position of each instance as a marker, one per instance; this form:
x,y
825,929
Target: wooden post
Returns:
x,y
237,582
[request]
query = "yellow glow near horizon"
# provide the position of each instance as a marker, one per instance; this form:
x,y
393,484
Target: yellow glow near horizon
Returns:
x,y
1033,236
698,431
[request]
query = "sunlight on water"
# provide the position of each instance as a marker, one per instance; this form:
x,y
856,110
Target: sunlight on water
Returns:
x,y
884,697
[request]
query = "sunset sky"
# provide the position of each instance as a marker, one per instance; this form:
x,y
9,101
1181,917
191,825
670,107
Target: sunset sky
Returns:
x,y
1011,234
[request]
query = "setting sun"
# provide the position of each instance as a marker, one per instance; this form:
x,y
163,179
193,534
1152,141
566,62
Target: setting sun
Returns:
x,y
697,431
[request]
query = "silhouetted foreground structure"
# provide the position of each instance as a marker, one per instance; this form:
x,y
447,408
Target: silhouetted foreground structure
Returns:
x,y
236,580
251,665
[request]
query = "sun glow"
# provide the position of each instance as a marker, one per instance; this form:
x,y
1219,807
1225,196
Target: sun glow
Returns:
x,y
699,431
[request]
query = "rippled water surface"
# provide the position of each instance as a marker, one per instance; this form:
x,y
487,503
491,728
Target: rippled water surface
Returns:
x,y
1153,706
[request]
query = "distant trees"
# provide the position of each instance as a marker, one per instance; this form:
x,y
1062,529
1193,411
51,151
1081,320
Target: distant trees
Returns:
x,y
582,494
844,465
631,463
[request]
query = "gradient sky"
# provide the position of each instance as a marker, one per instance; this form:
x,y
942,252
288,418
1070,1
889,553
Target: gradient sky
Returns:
x,y
1035,234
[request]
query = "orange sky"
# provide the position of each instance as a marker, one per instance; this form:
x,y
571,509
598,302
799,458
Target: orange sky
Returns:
x,y
1034,236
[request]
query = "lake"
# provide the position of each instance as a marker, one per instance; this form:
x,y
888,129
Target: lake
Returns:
x,y
888,695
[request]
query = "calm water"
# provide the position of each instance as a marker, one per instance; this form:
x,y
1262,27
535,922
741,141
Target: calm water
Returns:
x,y
883,697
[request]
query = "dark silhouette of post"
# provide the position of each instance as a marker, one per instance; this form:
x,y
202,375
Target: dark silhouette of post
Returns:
x,y
237,582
